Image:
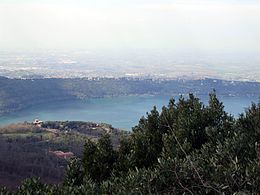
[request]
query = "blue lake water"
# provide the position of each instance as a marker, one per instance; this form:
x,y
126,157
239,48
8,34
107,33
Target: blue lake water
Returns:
x,y
122,112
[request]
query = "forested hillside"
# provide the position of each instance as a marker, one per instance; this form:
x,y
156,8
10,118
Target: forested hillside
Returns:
x,y
187,148
27,150
16,94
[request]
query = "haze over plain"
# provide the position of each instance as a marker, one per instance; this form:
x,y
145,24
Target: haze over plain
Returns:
x,y
213,38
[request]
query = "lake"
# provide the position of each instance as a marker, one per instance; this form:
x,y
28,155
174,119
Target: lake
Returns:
x,y
122,112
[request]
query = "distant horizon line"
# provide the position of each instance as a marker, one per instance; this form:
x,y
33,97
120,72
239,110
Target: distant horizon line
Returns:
x,y
136,78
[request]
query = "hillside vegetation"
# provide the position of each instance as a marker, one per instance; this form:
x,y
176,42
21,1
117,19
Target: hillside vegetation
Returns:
x,y
27,150
187,148
17,94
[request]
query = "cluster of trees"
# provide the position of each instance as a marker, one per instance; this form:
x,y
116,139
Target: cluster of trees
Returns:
x,y
86,129
21,158
187,148
80,126
25,148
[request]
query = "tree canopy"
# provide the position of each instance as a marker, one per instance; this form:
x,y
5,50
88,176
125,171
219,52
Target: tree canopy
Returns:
x,y
187,148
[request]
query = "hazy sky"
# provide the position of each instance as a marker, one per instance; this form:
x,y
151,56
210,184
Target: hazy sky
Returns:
x,y
217,25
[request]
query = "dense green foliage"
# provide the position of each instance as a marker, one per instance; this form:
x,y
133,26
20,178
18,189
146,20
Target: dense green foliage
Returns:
x,y
187,148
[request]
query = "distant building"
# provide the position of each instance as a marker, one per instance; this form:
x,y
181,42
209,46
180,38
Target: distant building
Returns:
x,y
61,154
37,122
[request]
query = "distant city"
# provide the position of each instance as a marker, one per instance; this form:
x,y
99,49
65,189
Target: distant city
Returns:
x,y
137,64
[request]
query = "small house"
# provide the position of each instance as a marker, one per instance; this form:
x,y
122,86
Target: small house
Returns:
x,y
37,122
